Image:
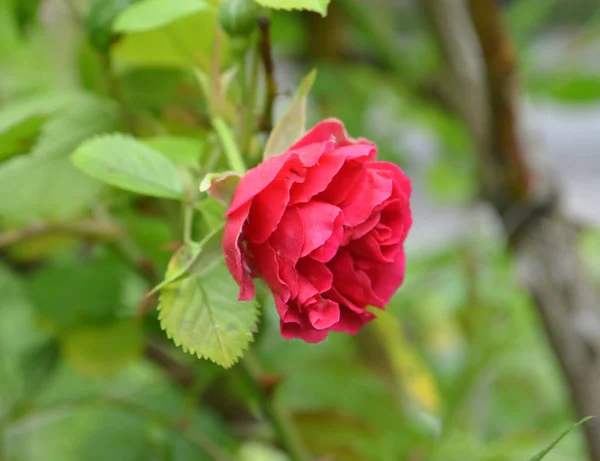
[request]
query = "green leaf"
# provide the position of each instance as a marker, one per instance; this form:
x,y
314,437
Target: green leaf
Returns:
x,y
183,43
180,150
547,450
124,162
66,296
195,258
13,113
292,125
576,89
100,20
102,350
202,315
221,186
34,188
85,117
152,14
319,6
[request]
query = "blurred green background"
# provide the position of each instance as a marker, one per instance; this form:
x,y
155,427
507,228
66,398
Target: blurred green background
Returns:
x,y
457,368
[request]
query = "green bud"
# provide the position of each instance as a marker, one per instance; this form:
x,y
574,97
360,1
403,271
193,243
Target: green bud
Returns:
x,y
239,17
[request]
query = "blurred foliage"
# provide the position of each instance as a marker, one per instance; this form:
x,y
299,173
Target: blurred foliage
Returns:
x,y
457,369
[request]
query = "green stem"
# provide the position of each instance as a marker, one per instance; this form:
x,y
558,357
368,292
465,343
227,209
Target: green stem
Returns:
x,y
236,162
249,121
188,221
279,419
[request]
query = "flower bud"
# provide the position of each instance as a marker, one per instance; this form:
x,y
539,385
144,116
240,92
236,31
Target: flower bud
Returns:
x,y
238,17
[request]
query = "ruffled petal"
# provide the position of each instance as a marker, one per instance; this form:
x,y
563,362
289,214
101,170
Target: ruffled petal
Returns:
x,y
319,220
314,278
269,205
317,178
327,130
324,313
234,259
350,281
351,322
268,265
288,238
385,278
256,180
373,189
327,251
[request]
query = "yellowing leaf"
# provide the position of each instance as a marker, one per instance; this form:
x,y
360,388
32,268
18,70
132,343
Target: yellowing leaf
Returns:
x,y
319,6
201,313
292,125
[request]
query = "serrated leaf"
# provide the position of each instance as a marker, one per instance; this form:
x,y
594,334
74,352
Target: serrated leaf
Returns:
x,y
202,315
102,350
319,6
292,125
194,259
126,163
180,150
152,14
542,454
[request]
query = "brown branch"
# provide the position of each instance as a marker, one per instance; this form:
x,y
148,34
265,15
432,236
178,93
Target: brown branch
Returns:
x,y
545,250
264,25
86,229
500,63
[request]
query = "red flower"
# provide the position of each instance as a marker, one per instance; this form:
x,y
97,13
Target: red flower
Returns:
x,y
324,225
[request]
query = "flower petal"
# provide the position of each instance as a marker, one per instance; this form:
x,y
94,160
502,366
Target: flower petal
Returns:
x,y
327,130
319,221
372,189
324,313
385,278
269,205
233,254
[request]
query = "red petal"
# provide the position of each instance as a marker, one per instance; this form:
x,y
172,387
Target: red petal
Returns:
x,y
266,262
317,178
324,314
314,278
373,189
326,130
269,205
255,180
288,238
319,220
233,254
385,278
351,322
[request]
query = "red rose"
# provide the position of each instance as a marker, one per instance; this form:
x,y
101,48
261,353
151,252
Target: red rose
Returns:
x,y
324,225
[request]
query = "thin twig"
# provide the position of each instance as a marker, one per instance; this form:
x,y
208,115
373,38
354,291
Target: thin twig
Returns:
x,y
264,24
86,229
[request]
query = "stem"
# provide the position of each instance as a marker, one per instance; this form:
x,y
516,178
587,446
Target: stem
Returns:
x,y
250,104
85,229
114,90
236,162
285,430
216,73
264,24
188,221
